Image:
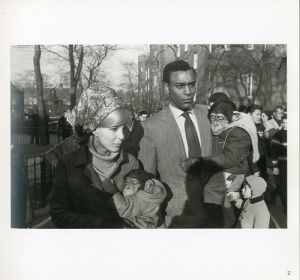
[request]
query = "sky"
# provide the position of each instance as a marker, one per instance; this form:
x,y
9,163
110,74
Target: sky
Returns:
x,y
22,60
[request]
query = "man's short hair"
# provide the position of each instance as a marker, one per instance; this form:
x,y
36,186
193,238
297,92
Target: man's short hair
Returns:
x,y
177,65
218,96
277,107
143,112
251,108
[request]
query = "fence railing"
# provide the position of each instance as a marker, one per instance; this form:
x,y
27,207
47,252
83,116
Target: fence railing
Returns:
x,y
24,134
39,173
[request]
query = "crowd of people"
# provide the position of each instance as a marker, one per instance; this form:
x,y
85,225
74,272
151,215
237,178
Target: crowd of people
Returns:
x,y
186,166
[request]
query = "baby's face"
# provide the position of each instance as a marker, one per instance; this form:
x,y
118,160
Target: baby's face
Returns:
x,y
131,186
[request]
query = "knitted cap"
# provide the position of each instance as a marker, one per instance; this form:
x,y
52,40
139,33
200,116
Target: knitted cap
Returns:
x,y
257,184
94,105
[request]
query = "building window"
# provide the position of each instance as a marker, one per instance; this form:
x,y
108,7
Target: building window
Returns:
x,y
250,85
226,48
155,53
148,73
250,47
155,81
178,51
186,48
142,69
195,60
148,87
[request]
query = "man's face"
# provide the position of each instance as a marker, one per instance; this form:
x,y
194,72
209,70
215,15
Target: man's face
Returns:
x,y
143,117
182,89
256,116
284,124
278,114
132,185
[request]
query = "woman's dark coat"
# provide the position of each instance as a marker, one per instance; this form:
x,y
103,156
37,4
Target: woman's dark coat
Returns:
x,y
79,199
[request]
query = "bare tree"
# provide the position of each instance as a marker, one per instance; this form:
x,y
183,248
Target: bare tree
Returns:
x,y
93,58
84,63
130,83
76,61
41,102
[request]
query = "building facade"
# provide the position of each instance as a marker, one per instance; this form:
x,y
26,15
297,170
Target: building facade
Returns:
x,y
247,73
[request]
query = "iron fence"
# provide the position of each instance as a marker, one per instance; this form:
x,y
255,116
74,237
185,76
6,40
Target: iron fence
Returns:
x,y
26,134
34,186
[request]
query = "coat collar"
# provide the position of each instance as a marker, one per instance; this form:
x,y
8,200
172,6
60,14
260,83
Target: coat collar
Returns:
x,y
84,158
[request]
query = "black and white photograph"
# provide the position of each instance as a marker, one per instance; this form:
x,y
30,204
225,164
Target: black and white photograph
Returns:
x,y
149,136
149,139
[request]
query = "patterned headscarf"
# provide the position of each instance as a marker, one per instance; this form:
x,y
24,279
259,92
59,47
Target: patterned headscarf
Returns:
x,y
94,105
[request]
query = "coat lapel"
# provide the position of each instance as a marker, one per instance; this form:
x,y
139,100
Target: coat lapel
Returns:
x,y
173,132
91,174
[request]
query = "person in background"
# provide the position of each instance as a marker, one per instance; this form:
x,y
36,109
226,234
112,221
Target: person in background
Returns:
x,y
216,97
64,126
131,144
179,131
87,178
265,116
254,111
242,108
278,154
34,127
273,125
142,115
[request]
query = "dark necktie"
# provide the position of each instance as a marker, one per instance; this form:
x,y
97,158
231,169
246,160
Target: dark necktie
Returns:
x,y
191,136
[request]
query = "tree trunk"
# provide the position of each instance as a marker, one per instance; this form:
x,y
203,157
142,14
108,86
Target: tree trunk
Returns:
x,y
74,73
43,119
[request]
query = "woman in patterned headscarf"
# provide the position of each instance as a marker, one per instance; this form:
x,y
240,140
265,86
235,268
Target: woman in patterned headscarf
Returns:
x,y
87,178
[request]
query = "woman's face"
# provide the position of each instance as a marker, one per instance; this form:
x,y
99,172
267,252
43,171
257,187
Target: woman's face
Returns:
x,y
264,117
112,131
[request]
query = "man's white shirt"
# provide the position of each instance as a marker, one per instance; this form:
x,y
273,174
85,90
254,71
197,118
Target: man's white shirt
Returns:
x,y
180,120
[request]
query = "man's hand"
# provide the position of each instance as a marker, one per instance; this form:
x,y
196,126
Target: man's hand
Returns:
x,y
187,163
233,196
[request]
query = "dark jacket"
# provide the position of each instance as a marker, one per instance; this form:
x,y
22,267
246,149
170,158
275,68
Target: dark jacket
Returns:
x,y
230,156
79,199
232,149
278,148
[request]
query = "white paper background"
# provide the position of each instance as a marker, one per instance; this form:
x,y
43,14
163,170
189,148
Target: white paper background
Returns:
x,y
150,254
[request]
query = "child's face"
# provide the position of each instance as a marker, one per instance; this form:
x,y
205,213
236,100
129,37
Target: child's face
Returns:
x,y
246,191
132,185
